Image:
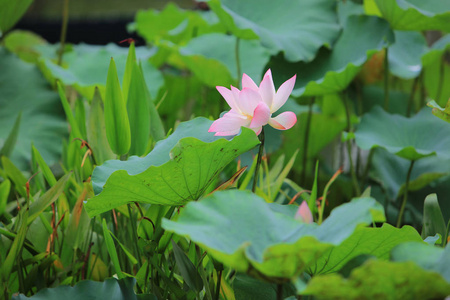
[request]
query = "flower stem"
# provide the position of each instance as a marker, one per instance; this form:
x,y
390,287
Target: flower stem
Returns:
x,y
405,195
258,162
349,146
134,233
306,141
411,96
62,39
238,61
386,80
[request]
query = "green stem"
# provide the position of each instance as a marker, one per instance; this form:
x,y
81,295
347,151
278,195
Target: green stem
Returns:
x,y
349,146
441,81
238,61
134,234
444,242
366,170
422,90
306,141
203,274
411,96
258,162
386,79
405,195
62,39
219,279
352,169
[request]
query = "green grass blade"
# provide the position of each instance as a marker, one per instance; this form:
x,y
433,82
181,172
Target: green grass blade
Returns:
x,y
116,117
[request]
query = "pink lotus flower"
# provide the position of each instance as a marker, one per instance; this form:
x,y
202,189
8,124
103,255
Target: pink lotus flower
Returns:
x,y
253,106
304,213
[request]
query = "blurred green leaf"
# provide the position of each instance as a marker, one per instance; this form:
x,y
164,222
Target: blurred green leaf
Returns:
x,y
405,55
228,224
414,138
390,170
212,58
85,66
42,121
22,43
8,147
332,70
178,169
416,15
441,113
174,24
380,280
111,288
248,288
377,242
296,28
430,258
11,12
116,116
433,221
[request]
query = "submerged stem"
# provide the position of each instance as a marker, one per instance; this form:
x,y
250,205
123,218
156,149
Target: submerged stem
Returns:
x,y
62,39
258,162
405,195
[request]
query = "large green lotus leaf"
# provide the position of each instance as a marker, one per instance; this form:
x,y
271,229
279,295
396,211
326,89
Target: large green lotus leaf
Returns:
x,y
211,57
429,257
111,289
390,170
377,279
297,28
11,12
244,232
416,15
22,43
174,24
86,66
178,170
249,288
332,70
406,53
23,89
436,50
374,241
411,138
